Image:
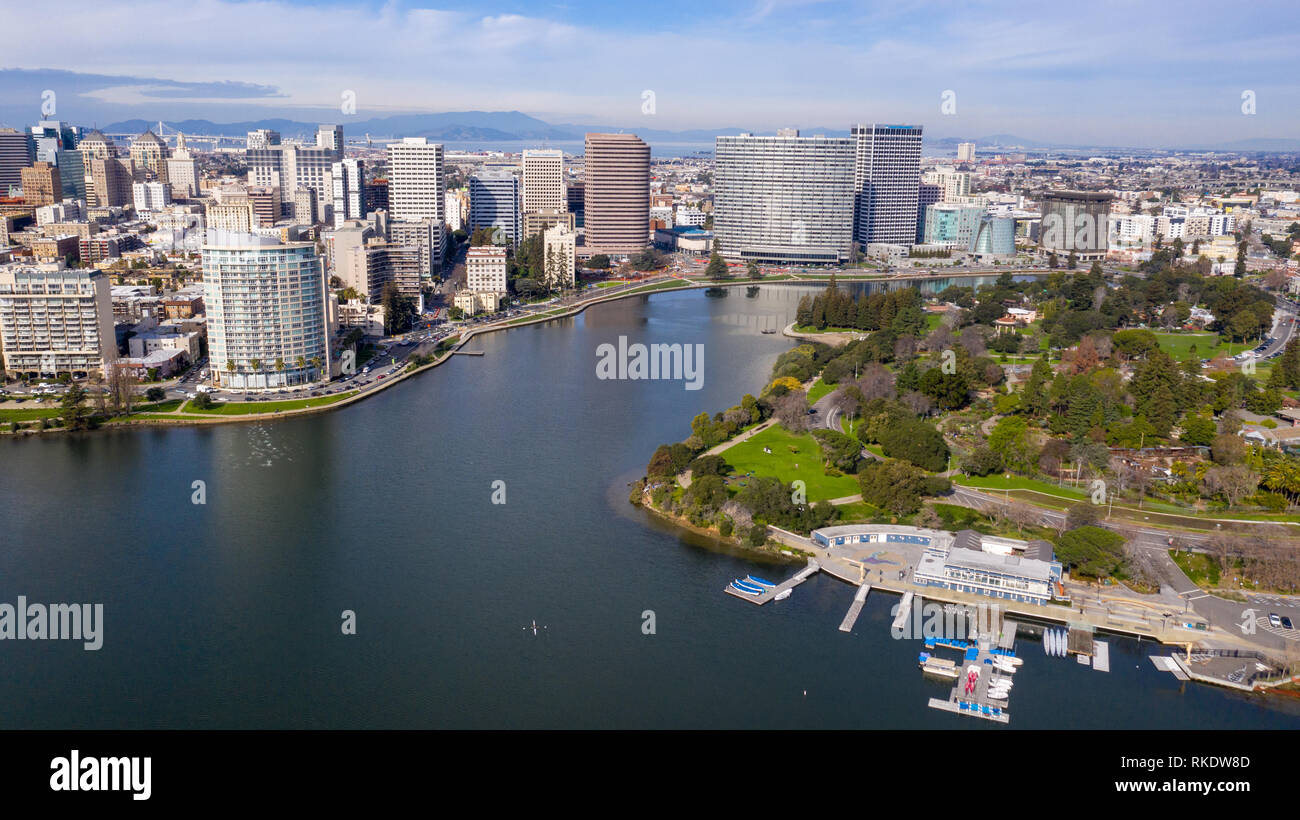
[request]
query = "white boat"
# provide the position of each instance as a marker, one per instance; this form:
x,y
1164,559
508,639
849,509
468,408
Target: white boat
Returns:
x,y
783,595
1002,665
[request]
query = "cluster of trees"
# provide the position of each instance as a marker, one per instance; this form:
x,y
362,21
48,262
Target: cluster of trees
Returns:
x,y
399,310
897,486
898,310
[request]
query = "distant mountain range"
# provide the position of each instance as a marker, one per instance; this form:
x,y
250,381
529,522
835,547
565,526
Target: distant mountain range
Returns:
x,y
515,126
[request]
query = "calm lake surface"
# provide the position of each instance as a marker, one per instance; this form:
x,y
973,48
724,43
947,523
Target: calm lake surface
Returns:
x,y
228,614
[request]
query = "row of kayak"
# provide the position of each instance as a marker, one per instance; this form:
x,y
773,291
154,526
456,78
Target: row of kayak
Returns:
x,y
752,585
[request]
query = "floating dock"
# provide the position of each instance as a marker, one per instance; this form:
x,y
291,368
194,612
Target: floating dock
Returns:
x,y
1101,656
904,610
1166,664
468,352
1007,640
855,609
1079,641
799,577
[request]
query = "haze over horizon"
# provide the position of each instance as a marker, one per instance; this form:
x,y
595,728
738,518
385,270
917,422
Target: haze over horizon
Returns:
x,y
1047,75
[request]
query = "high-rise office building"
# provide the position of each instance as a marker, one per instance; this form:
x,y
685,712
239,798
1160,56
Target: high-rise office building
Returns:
x,y
53,136
1076,222
616,200
416,182
966,152
151,196
953,183
96,146
330,137
41,184
417,190
17,151
494,203
149,153
785,198
266,307
72,174
543,188
887,180
183,171
349,190
56,320
262,138
110,182
290,166
927,195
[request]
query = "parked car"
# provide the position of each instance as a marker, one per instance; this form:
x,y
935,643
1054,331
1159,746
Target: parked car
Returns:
x,y
1274,620
1286,623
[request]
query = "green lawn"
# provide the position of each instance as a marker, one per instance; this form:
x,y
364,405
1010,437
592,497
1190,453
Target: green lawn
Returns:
x,y
749,456
1201,569
29,413
244,408
819,389
857,511
1179,345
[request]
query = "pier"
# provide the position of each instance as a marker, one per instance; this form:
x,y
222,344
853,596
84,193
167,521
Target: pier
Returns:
x,y
469,352
855,609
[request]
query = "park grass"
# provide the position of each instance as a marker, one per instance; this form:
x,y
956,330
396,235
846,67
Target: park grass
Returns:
x,y
999,481
858,511
244,408
1199,567
1179,345
819,389
29,413
748,456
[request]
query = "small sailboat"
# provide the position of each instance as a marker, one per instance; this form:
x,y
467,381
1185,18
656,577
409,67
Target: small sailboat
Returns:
x,y
783,594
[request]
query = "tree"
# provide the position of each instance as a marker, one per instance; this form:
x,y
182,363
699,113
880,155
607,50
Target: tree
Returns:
x,y
1198,430
897,486
1012,440
599,261
717,268
121,387
1233,483
791,411
76,415
1091,551
1081,515
753,270
155,394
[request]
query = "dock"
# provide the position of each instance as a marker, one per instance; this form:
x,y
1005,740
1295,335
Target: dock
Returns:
x,y
469,352
910,600
977,703
1101,656
855,609
1166,664
1007,639
1079,641
790,583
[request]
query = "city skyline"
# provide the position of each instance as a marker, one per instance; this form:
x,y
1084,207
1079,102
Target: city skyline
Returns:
x,y
1034,72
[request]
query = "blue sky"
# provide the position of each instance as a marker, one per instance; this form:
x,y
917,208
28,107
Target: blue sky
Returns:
x,y
1155,73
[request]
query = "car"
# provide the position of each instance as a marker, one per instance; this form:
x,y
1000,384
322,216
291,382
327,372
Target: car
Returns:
x,y
1274,619
1286,623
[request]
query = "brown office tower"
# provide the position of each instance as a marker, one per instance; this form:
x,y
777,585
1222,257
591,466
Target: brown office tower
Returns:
x,y
41,184
616,201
